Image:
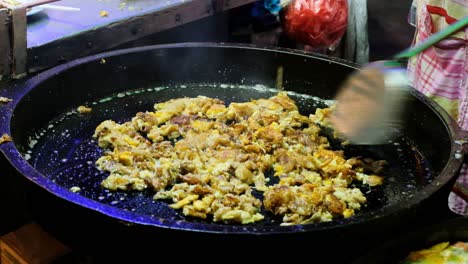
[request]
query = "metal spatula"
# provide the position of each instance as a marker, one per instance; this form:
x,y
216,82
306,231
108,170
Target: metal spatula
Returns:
x,y
370,104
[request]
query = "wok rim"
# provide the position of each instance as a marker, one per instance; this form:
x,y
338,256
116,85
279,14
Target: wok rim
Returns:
x,y
25,169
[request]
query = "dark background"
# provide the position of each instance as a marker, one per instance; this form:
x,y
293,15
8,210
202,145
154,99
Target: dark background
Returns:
x,y
388,29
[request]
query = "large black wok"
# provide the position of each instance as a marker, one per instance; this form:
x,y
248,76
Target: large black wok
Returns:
x,y
52,146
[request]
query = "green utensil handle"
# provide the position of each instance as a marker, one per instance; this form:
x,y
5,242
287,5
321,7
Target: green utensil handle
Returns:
x,y
448,31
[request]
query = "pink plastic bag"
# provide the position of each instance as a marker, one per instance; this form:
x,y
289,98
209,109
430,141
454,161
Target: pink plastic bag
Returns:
x,y
317,23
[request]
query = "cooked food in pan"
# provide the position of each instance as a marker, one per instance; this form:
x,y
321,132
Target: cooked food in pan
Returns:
x,y
5,100
232,163
84,109
442,253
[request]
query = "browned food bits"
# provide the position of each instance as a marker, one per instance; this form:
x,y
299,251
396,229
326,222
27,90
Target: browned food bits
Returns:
x,y
208,158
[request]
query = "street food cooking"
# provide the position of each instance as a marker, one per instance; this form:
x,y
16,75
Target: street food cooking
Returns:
x,y
211,160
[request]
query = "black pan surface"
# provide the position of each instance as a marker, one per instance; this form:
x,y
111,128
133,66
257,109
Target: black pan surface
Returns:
x,y
53,146
65,151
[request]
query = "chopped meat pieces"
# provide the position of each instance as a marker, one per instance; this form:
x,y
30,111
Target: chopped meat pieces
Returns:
x,y
84,110
5,138
208,159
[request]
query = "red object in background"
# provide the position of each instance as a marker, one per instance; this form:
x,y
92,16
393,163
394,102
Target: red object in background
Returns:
x,y
317,23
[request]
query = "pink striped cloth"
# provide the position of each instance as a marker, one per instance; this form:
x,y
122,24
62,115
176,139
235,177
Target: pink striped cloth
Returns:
x,y
440,73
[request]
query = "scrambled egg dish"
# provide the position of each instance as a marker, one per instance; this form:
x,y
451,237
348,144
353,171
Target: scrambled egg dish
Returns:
x,y
209,159
442,253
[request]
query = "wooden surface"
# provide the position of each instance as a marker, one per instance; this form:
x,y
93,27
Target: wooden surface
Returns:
x,y
30,244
